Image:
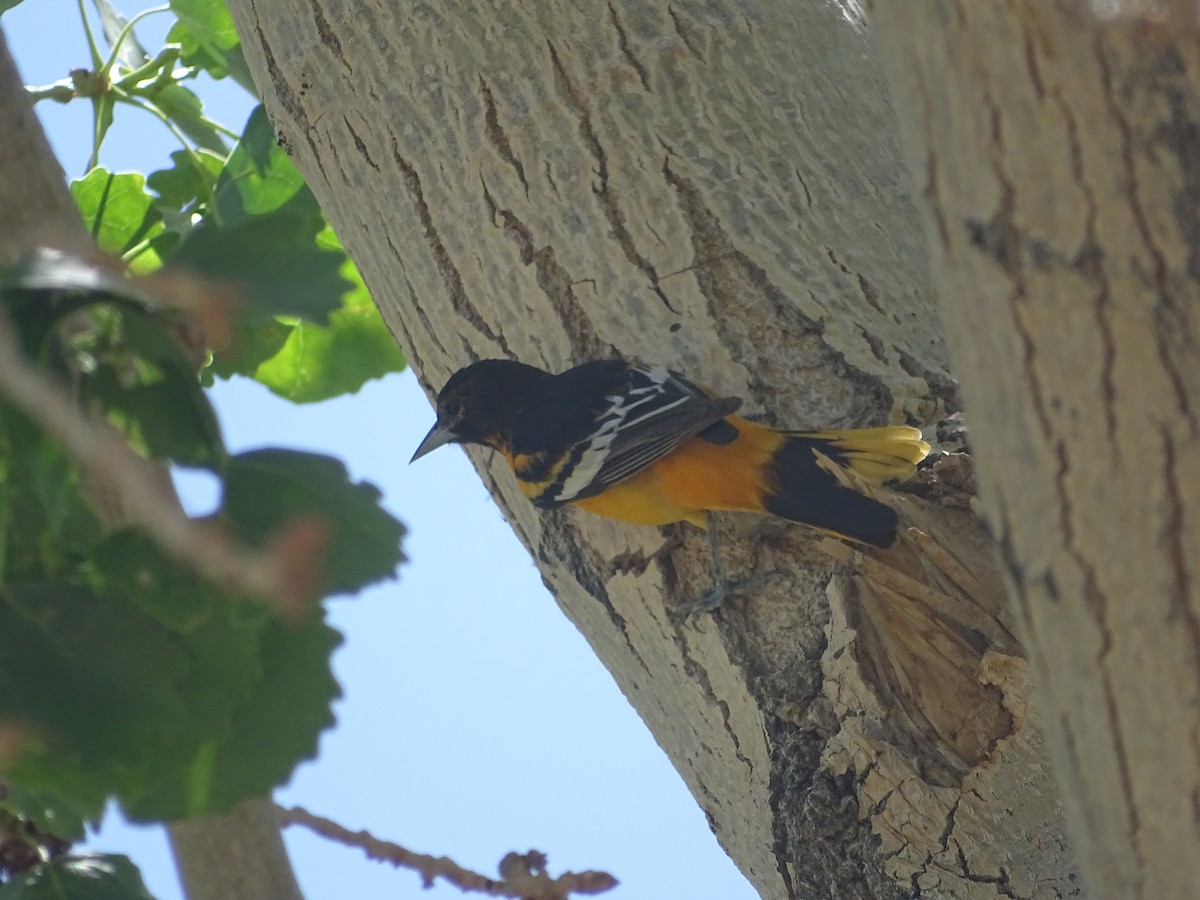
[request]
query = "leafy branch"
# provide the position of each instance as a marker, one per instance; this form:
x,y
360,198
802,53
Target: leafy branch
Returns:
x,y
124,674
100,448
137,661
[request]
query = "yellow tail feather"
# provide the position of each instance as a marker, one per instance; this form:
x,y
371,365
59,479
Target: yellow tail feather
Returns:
x,y
875,455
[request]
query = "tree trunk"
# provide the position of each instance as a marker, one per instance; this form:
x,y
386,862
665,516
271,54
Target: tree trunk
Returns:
x,y
36,208
1059,154
239,856
716,186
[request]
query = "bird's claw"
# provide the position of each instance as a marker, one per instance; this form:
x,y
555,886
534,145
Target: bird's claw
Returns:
x,y
717,594
705,603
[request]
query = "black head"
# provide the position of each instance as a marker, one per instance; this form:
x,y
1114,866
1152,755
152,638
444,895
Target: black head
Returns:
x,y
476,404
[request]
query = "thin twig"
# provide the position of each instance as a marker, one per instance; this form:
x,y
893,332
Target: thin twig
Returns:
x,y
100,449
524,876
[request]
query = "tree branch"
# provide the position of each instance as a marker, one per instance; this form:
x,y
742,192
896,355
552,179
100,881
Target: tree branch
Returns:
x,y
523,876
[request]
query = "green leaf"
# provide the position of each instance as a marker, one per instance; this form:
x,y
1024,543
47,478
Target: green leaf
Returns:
x,y
79,876
47,520
167,418
152,387
94,691
135,567
162,245
135,364
119,213
319,362
184,109
266,490
207,36
274,731
291,706
6,5
217,60
48,813
274,260
208,20
252,342
259,178
93,678
115,700
186,182
262,235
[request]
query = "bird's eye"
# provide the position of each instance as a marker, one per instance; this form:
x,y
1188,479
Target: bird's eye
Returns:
x,y
452,410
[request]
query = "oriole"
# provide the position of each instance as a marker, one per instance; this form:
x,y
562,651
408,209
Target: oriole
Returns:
x,y
644,445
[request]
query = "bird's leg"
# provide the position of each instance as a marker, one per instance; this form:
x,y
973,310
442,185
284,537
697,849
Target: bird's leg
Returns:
x,y
722,586
715,595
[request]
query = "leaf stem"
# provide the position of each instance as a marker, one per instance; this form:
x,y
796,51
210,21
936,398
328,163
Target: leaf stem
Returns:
x,y
125,32
93,47
133,100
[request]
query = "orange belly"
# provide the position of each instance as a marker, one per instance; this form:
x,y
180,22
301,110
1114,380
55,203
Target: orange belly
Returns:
x,y
694,478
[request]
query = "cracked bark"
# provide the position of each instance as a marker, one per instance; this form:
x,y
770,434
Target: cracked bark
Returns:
x,y
1060,154
719,188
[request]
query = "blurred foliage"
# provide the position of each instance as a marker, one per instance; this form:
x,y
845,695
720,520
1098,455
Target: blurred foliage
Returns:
x,y
83,876
124,673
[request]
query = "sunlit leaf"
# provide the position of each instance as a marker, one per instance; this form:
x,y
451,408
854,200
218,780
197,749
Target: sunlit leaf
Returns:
x,y
319,362
252,342
260,179
185,182
185,110
217,60
119,213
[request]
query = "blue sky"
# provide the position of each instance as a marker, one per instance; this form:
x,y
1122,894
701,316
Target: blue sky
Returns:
x,y
476,719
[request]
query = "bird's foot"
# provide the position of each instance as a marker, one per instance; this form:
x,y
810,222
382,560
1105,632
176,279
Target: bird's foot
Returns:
x,y
719,593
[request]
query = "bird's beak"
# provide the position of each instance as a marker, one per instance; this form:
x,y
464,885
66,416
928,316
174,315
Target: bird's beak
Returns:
x,y
438,435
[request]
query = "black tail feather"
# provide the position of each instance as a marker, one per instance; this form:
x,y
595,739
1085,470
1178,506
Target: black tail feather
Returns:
x,y
806,492
840,510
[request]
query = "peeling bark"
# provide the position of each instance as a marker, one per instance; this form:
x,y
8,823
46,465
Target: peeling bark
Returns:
x,y
715,186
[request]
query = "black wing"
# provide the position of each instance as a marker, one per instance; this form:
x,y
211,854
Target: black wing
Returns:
x,y
648,413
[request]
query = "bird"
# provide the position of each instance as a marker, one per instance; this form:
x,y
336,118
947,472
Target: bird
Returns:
x,y
644,445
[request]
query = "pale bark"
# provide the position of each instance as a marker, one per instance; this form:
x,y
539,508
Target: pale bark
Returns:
x,y
35,206
716,186
240,856
216,857
1059,155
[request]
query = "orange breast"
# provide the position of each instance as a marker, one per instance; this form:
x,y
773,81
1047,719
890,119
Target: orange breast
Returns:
x,y
695,477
